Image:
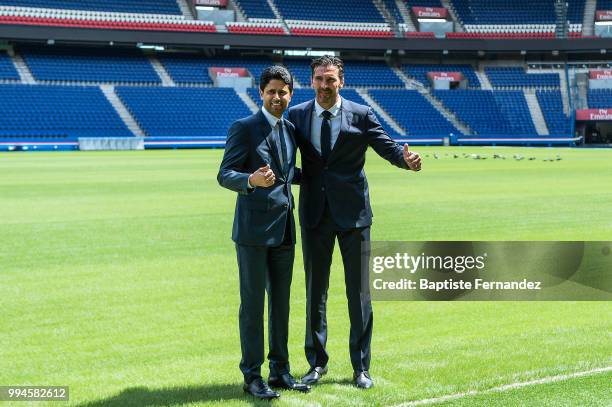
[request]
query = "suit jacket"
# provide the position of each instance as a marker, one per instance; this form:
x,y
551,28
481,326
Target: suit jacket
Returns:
x,y
341,180
261,213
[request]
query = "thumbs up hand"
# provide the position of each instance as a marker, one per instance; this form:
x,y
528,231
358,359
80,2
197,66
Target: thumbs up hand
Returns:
x,y
263,177
411,158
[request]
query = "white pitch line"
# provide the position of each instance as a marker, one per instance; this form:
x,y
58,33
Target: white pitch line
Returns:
x,y
506,387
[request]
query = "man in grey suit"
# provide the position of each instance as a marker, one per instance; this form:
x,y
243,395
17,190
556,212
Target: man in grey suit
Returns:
x,y
333,135
259,164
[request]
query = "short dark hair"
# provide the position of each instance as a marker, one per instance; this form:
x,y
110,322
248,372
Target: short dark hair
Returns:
x,y
326,60
275,72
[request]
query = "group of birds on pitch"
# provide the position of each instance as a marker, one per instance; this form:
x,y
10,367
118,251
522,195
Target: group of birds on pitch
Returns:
x,y
517,157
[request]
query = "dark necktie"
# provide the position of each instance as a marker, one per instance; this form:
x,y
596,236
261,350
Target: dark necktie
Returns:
x,y
326,135
283,147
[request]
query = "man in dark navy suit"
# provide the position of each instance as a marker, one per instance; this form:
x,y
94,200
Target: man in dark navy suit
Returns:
x,y
333,135
259,164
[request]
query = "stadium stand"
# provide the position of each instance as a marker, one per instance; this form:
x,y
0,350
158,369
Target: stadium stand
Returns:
x,y
193,68
391,6
363,11
599,98
41,112
183,111
357,74
7,69
89,65
131,6
419,72
362,74
423,3
514,19
330,18
490,112
514,106
498,12
420,34
604,4
255,9
515,77
101,19
339,29
551,105
501,35
575,11
273,27
300,69
421,118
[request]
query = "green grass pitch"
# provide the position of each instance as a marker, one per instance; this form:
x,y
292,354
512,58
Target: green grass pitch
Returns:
x,y
119,279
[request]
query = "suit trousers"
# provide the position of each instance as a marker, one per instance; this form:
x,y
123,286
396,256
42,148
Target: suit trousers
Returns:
x,y
318,247
264,269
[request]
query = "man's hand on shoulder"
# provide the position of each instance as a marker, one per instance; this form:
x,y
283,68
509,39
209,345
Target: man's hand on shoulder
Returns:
x,y
263,177
413,160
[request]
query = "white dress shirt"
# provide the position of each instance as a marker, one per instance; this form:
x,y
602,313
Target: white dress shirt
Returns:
x,y
317,120
274,122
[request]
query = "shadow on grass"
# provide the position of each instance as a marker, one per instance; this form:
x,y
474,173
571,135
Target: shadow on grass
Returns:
x,y
143,396
346,381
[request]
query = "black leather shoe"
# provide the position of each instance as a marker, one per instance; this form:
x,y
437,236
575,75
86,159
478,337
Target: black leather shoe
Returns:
x,y
363,379
314,375
286,381
258,388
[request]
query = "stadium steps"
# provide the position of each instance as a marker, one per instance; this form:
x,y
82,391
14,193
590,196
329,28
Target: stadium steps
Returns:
x,y
161,71
537,117
382,9
409,83
278,15
251,104
562,85
561,26
185,9
484,80
408,24
23,69
581,101
588,22
380,111
122,111
451,11
450,116
240,16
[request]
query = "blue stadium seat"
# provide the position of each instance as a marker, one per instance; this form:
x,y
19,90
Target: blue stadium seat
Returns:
x,y
423,3
488,112
551,105
123,6
183,111
517,77
575,11
604,5
7,69
419,72
186,68
600,98
330,10
391,5
413,112
89,65
506,12
68,112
